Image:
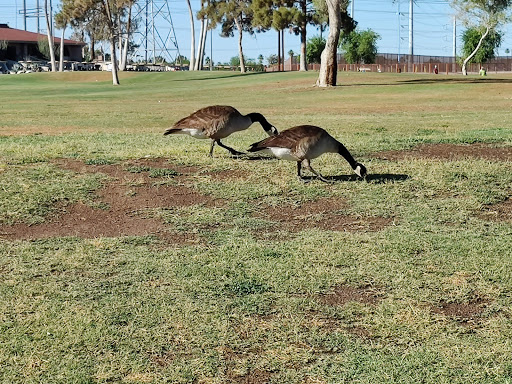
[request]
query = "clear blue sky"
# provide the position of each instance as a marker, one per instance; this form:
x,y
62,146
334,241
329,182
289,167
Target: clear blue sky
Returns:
x,y
433,28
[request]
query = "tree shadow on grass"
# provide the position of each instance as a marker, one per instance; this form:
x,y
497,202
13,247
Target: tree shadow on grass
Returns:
x,y
223,75
440,80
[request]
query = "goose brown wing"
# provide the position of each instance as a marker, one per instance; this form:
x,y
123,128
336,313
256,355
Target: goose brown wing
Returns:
x,y
290,138
209,119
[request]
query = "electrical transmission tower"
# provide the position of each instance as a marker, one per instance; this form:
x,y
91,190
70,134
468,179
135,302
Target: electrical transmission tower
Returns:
x,y
156,38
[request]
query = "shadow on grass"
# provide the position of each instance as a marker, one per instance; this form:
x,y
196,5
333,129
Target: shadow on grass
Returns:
x,y
223,75
255,157
472,80
373,178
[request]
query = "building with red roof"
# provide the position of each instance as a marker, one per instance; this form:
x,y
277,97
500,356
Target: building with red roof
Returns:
x,y
17,44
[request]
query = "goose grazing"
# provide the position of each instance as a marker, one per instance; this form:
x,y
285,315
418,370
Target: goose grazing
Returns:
x,y
303,143
217,122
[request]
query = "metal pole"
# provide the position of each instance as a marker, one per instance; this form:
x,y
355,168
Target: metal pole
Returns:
x,y
454,44
37,15
411,27
146,34
25,15
153,30
399,30
454,37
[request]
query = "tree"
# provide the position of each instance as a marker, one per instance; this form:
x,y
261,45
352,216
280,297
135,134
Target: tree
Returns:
x,y
62,20
470,39
272,60
315,47
338,19
360,46
125,29
43,47
231,14
484,14
276,14
192,37
234,61
105,15
49,21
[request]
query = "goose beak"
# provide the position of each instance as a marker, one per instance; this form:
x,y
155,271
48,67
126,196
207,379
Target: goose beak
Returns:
x,y
360,171
273,131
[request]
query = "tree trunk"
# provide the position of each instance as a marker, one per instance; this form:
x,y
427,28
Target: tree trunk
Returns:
x,y
92,48
61,56
303,37
192,38
279,51
464,64
282,47
115,77
240,49
119,39
112,38
203,44
329,63
48,33
303,59
124,51
196,65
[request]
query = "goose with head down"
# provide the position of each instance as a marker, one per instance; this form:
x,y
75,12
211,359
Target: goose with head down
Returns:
x,y
218,122
304,143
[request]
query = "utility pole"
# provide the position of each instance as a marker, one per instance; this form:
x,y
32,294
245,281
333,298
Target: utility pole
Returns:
x,y
454,44
25,15
411,27
399,29
454,37
37,15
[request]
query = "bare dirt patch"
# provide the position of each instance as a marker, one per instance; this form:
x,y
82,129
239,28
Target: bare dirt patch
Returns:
x,y
463,313
123,203
256,376
321,214
498,212
343,294
450,152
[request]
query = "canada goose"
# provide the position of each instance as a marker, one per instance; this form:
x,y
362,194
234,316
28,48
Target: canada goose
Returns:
x,y
217,122
303,143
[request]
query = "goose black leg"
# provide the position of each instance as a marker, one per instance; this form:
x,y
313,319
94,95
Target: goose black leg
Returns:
x,y
233,152
299,175
211,148
308,166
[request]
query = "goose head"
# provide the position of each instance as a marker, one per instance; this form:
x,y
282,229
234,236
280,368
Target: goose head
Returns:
x,y
360,170
272,131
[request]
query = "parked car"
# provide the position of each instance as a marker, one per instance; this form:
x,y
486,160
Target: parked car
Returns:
x,y
3,68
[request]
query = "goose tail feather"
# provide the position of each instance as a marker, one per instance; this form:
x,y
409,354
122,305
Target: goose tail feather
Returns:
x,y
170,131
255,147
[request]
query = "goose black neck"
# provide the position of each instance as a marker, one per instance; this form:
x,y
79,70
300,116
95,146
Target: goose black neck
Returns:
x,y
258,117
346,154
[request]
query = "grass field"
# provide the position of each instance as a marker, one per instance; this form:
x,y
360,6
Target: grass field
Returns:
x,y
130,257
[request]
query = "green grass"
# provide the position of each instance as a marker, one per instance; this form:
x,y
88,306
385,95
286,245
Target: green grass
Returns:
x,y
234,303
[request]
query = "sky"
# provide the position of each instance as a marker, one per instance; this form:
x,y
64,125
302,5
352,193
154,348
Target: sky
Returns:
x,y
433,28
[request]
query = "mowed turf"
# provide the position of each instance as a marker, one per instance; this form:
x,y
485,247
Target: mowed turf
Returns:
x,y
240,273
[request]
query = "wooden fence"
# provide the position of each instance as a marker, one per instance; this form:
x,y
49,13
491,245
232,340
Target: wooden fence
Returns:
x,y
421,64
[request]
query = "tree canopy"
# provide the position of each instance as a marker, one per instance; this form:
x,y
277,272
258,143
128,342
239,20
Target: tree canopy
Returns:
x,y
315,46
485,15
487,51
360,46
